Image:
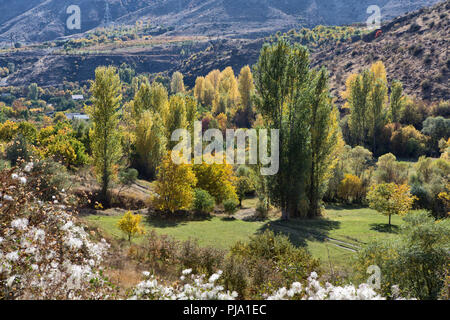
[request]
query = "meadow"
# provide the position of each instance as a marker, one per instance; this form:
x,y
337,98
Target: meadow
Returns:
x,y
334,239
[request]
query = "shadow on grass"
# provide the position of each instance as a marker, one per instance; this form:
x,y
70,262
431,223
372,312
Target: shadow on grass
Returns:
x,y
168,220
384,227
343,206
299,231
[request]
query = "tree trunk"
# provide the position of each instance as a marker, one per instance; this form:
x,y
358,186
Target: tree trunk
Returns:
x,y
389,220
284,214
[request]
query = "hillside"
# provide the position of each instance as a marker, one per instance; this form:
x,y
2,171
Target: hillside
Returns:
x,y
415,43
414,48
35,21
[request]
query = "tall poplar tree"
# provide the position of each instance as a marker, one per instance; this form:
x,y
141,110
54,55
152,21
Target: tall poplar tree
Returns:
x,y
106,148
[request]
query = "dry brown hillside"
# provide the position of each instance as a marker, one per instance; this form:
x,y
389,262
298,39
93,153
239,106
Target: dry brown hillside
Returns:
x,y
413,47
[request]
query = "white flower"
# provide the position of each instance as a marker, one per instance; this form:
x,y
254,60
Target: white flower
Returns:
x,y
214,278
23,180
74,243
187,271
14,176
10,281
146,274
20,224
8,198
1,240
12,256
29,167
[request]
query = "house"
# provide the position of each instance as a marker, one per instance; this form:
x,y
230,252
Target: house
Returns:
x,y
77,116
77,97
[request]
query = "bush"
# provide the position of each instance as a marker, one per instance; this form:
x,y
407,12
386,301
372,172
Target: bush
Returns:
x,y
18,149
262,210
423,245
235,276
50,179
230,206
203,201
290,262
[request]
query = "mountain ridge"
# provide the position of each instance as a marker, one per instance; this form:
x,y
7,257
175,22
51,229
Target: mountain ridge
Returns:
x,y
43,20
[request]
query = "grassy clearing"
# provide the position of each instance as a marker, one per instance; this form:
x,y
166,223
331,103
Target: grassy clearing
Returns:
x,y
330,239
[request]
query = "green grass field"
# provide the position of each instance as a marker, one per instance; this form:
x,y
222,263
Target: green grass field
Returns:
x,y
331,239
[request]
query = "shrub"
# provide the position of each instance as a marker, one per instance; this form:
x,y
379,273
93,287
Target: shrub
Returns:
x,y
51,178
262,210
235,276
230,206
423,245
203,201
18,149
293,264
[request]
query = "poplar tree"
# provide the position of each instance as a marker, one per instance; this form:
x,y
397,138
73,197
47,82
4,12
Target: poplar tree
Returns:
x,y
106,148
281,74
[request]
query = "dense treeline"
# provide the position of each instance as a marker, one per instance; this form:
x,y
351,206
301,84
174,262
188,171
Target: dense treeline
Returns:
x,y
324,154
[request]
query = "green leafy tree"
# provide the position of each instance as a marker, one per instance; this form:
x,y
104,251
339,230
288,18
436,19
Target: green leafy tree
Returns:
x,y
296,100
106,148
396,101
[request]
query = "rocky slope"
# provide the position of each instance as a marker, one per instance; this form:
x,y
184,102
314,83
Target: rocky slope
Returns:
x,y
42,20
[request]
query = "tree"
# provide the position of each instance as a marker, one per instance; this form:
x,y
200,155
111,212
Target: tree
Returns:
x,y
217,179
199,89
243,186
177,84
389,170
396,101
437,128
324,135
127,177
174,186
152,97
296,100
281,76
246,88
151,142
358,101
177,117
376,114
33,91
350,188
359,160
130,225
390,198
106,149
227,91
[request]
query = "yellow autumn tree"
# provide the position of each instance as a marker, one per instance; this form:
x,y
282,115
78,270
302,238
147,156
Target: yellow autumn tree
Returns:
x,y
391,198
129,224
350,188
199,89
379,70
174,186
217,179
177,83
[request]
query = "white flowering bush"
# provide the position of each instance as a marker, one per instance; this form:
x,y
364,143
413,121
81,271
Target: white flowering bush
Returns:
x,y
192,288
196,288
44,254
315,291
